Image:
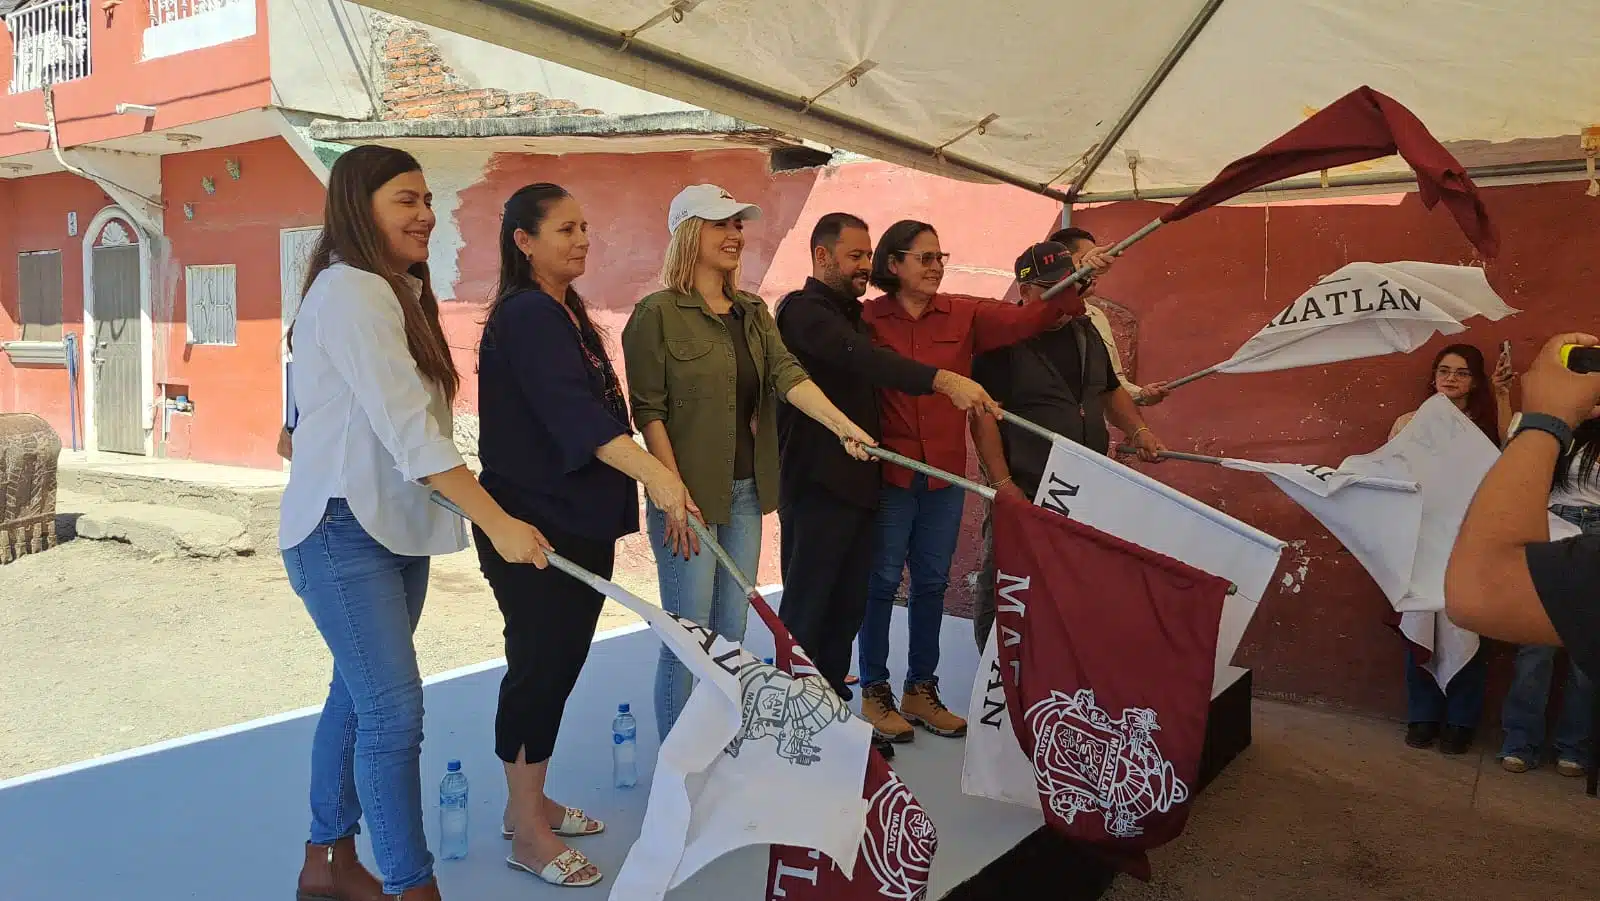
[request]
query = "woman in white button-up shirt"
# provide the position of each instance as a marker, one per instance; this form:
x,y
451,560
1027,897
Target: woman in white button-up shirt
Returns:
x,y
373,383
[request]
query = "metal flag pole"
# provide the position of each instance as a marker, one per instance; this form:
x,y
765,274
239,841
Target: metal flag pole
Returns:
x,y
1176,455
1193,376
983,491
556,560
725,558
1211,370
1371,481
1116,250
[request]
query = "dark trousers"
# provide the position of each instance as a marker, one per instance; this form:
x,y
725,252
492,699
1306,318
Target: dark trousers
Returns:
x,y
1462,705
550,621
826,557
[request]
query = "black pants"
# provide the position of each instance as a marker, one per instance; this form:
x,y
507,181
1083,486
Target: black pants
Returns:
x,y
550,621
826,556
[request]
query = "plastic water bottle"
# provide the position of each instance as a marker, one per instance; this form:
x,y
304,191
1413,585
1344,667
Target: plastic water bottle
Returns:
x,y
453,812
624,749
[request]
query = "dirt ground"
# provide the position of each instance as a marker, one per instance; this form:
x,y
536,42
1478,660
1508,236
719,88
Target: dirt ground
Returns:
x,y
108,649
1333,807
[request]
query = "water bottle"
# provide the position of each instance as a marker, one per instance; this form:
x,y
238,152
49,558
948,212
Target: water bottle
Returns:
x,y
453,812
624,748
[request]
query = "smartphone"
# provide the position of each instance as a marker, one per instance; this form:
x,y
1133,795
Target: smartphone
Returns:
x,y
1505,350
1580,359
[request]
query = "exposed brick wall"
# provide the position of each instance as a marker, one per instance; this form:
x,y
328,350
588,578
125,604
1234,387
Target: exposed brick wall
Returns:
x,y
417,84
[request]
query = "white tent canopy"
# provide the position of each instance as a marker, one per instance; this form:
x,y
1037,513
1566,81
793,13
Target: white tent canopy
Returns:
x,y
1027,91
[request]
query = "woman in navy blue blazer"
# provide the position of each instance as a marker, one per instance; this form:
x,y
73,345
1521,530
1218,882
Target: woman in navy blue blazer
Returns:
x,y
557,448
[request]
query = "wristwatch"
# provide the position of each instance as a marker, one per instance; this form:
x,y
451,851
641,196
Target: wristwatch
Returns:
x,y
1551,425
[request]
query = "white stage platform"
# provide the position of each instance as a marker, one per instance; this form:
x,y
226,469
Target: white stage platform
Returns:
x,y
223,815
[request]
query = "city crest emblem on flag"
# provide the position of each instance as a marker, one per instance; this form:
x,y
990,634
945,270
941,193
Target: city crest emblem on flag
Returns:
x,y
791,711
1087,762
901,842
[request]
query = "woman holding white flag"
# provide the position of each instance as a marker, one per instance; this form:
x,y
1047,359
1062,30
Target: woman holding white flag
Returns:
x,y
1450,717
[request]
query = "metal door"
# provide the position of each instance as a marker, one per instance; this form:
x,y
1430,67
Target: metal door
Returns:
x,y
117,350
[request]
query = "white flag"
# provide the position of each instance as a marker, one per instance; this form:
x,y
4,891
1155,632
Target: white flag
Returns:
x,y
1377,517
756,757
1368,310
1404,537
1100,492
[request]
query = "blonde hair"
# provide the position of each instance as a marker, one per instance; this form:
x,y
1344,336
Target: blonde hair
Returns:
x,y
683,255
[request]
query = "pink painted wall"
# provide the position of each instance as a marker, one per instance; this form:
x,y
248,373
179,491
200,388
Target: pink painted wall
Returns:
x,y
189,87
33,216
626,197
237,225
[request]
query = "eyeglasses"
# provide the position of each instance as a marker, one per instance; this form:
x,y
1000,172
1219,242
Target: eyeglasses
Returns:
x,y
926,259
1446,372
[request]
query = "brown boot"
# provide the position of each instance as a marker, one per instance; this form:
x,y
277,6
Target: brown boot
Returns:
x,y
921,705
877,708
332,873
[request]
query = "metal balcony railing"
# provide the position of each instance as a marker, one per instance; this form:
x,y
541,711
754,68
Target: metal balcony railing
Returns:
x,y
49,44
163,12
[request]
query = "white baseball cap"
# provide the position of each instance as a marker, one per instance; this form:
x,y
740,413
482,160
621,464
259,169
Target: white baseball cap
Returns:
x,y
710,203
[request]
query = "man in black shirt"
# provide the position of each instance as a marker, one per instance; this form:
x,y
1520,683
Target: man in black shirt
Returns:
x,y
1506,578
1062,379
827,501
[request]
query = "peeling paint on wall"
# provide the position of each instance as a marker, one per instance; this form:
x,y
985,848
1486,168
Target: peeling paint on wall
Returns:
x,y
449,173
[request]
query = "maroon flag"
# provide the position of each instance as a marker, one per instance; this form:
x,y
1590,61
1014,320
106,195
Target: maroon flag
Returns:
x,y
1106,654
897,849
1361,125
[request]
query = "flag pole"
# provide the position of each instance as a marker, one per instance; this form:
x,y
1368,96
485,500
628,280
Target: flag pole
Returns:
x,y
889,456
1116,250
725,558
1178,383
556,560
1176,455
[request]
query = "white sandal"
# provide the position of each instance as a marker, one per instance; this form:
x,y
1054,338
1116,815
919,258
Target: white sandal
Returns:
x,y
562,870
574,824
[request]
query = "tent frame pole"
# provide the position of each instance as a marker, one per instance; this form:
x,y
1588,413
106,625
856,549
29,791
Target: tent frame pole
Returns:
x,y
1152,84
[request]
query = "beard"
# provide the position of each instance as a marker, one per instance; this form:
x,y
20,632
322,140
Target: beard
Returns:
x,y
835,278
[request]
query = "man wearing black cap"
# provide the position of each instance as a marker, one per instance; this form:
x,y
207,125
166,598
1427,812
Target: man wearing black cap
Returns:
x,y
1062,379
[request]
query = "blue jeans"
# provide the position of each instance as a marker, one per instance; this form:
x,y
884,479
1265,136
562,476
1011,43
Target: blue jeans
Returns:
x,y
698,589
916,527
365,753
1523,716
1462,705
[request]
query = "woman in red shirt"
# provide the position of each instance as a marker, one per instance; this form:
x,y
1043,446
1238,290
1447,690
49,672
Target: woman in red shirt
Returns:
x,y
919,519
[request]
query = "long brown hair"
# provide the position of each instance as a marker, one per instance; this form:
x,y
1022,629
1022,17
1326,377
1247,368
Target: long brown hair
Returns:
x,y
1480,406
350,236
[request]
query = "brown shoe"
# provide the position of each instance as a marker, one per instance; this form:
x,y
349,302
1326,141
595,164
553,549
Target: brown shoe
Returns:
x,y
332,873
877,708
921,705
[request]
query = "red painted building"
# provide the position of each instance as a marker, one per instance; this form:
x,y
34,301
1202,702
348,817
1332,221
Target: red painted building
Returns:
x,y
195,205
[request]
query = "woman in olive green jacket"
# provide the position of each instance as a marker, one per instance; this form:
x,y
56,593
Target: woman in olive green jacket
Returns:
x,y
706,370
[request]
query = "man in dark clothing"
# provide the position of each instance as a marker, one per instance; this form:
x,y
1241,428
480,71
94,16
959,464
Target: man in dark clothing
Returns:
x,y
1506,578
1062,379
827,501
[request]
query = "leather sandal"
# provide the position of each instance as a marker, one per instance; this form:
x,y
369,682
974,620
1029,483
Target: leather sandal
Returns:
x,y
562,871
